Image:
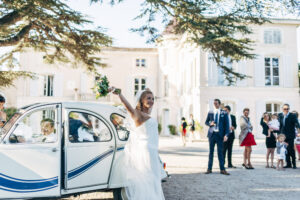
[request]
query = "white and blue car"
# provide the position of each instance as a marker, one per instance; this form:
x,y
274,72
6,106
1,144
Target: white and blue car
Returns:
x,y
61,149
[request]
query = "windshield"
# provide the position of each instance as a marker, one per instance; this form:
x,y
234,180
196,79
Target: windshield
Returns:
x,y
9,124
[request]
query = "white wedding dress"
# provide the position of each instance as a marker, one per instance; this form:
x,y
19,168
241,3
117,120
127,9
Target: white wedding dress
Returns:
x,y
140,167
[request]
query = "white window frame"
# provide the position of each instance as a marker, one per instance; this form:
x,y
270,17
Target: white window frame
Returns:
x,y
273,107
48,90
272,37
221,76
141,62
271,68
139,84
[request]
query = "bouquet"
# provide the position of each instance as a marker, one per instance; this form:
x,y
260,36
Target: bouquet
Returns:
x,y
102,87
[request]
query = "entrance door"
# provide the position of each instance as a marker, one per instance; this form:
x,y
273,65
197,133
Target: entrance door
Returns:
x,y
166,122
30,155
89,150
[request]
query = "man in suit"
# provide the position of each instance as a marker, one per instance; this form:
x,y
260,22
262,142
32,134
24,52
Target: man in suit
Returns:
x,y
227,146
288,123
218,132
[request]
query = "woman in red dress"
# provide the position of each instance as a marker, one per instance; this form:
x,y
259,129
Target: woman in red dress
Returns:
x,y
246,138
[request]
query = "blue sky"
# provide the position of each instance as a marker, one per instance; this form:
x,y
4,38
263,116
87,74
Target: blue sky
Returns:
x,y
117,19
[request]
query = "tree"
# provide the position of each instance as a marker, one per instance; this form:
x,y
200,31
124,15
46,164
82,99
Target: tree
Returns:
x,y
48,26
215,24
52,27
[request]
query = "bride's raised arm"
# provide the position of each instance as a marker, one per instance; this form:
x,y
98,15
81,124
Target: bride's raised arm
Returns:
x,y
127,105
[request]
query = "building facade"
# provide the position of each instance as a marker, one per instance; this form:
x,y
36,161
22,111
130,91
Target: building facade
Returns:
x,y
194,79
184,78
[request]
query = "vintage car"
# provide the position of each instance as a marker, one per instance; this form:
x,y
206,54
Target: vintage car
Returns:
x,y
61,149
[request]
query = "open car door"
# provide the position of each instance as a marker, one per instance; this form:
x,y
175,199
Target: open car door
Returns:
x,y
30,155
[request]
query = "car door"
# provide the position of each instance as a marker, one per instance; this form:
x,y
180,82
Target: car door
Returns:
x,y
30,155
90,147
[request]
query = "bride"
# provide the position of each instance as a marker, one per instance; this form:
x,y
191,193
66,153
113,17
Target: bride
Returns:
x,y
141,169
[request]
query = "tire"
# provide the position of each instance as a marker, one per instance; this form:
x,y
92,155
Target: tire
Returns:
x,y
119,194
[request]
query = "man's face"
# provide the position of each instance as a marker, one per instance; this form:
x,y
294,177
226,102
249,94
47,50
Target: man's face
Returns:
x,y
285,109
227,110
246,113
216,104
47,128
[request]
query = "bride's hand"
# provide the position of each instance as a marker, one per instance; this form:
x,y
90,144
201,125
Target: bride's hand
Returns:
x,y
114,90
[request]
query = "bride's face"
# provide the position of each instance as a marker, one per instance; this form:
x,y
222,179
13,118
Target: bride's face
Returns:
x,y
148,101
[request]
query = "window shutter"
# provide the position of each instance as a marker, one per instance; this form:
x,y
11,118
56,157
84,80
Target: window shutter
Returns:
x,y
37,86
83,83
260,108
212,72
259,73
288,75
242,68
58,85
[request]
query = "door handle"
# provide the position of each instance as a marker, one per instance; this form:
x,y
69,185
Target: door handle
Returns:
x,y
111,147
54,150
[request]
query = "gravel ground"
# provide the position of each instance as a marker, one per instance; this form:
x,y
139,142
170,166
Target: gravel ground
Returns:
x,y
188,181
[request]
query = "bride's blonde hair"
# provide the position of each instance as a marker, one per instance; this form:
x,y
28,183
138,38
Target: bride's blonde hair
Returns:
x,y
139,105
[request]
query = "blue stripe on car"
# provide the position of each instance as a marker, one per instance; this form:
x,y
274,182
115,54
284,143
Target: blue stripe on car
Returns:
x,y
12,184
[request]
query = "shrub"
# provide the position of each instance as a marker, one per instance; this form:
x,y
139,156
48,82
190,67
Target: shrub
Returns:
x,y
10,112
198,127
159,128
172,129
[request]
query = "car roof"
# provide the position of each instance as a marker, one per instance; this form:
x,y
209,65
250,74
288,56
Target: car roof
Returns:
x,y
93,106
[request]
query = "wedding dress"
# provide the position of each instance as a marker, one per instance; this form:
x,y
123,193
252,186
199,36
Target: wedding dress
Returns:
x,y
140,168
143,169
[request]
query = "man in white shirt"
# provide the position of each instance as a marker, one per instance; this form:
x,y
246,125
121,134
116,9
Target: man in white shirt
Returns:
x,y
47,130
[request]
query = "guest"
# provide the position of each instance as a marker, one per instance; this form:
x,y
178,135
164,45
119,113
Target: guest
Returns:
x,y
229,143
270,139
297,144
281,151
192,126
183,128
246,138
288,123
2,113
218,133
48,131
297,132
274,126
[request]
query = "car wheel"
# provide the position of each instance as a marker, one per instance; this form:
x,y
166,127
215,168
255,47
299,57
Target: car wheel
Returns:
x,y
120,194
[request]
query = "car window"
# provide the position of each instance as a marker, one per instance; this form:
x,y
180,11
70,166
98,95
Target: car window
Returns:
x,y
85,127
121,127
36,127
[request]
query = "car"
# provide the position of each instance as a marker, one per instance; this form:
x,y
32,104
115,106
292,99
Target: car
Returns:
x,y
61,149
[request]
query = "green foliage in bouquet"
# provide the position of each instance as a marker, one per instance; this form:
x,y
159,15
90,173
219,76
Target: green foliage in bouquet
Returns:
x,y
101,87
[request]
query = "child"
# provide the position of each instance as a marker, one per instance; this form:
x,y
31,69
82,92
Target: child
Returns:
x,y
281,150
273,126
183,127
297,143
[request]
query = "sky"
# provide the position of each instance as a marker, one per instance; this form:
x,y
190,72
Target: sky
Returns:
x,y
118,19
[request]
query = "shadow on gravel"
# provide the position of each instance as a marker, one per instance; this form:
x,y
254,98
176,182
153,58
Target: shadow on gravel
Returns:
x,y
257,184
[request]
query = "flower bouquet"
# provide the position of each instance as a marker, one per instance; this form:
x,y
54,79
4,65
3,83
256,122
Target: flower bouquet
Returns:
x,y
102,87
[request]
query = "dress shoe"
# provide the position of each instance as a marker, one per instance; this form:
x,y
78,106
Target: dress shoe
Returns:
x,y
208,171
287,166
231,166
294,167
245,166
224,172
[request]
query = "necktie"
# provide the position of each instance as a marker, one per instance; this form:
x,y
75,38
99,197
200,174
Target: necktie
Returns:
x,y
284,120
217,119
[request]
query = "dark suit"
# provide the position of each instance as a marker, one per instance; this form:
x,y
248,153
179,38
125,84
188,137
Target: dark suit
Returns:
x,y
229,143
217,137
287,127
